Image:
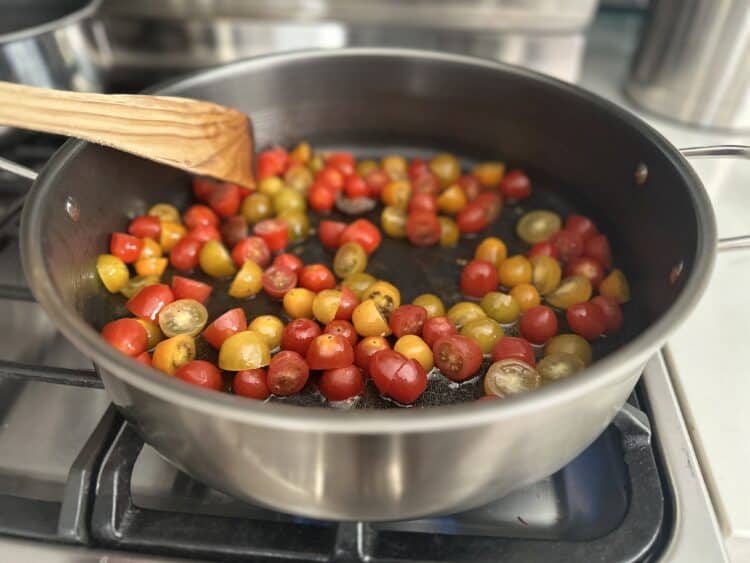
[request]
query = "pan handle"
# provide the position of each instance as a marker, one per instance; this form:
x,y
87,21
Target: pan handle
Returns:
x,y
17,169
720,151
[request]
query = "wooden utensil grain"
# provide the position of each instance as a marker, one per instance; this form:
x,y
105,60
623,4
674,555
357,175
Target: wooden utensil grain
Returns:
x,y
200,137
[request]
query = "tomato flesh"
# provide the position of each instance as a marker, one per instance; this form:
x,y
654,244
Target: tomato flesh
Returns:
x,y
277,280
457,357
407,319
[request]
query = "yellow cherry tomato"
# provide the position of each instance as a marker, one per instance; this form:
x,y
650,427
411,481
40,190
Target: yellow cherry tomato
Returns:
x,y
537,226
136,284
298,223
150,249
489,174
452,200
569,344
299,177
545,274
526,295
364,167
491,249
270,186
325,305
215,260
501,307
298,303
256,207
485,332
385,295
171,233
616,285
301,153
244,350
368,320
514,270
269,327
413,347
173,353
350,259
449,233
572,290
112,271
395,165
166,212
446,169
316,164
396,193
393,222
248,281
150,266
359,283
153,332
431,303
464,312
184,316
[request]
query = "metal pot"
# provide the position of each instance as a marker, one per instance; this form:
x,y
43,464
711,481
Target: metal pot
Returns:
x,y
387,464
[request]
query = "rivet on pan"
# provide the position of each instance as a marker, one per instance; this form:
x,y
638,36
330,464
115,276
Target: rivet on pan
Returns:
x,y
72,208
641,174
675,273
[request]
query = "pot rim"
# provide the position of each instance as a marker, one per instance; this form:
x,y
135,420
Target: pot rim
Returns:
x,y
88,9
601,373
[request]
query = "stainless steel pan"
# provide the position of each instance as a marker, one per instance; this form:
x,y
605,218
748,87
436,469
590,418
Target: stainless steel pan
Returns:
x,y
388,464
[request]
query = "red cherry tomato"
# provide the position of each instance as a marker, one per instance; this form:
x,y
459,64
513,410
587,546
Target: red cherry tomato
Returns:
x,y
457,357
185,288
417,167
329,351
342,328
272,162
568,244
341,161
515,185
586,320
321,198
471,219
470,185
586,267
478,278
145,226
364,233
275,233
251,383
491,203
407,319
244,192
426,184
513,347
597,247
538,324
376,181
423,202
147,303
347,304
287,373
582,225
298,335
332,178
289,261
233,230
366,348
542,249
231,322
184,255
611,310
204,233
201,373
126,247
423,228
225,200
355,187
436,328
126,335
330,233
316,278
144,358
203,187
251,248
277,280
199,215
396,377
342,383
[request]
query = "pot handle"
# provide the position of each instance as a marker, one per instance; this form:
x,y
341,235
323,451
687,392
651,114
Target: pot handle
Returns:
x,y
720,151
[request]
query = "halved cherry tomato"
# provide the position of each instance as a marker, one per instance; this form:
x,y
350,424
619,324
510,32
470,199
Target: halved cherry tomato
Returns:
x,y
366,348
355,187
126,247
145,226
396,377
423,228
329,351
478,278
251,248
426,184
287,373
348,303
199,215
470,185
489,174
233,230
229,323
515,185
584,226
457,357
251,383
215,260
407,319
331,178
542,249
183,316
479,213
150,266
289,261
616,285
149,301
185,254
316,277
330,233
321,198
204,233
342,383
363,232
569,244
513,347
417,167
586,320
201,373
126,335
299,334
202,188
244,350
597,247
186,288
437,327
173,353
277,280
376,180
423,202
272,162
144,358
341,161
610,308
342,328
225,200
275,232
538,324
586,267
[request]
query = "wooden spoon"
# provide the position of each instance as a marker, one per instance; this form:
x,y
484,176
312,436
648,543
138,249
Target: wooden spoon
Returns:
x,y
200,137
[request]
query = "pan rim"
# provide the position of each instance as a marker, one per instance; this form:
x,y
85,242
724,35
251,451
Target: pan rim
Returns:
x,y
88,9
606,371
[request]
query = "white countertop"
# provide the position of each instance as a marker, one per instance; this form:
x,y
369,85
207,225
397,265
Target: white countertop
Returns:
x,y
708,353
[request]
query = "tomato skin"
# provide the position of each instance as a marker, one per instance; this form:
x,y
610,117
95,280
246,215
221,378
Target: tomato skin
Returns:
x,y
586,267
201,373
341,161
331,178
126,247
417,167
568,244
611,310
127,336
272,162
233,230
538,324
423,228
277,280
437,327
147,303
471,219
251,248
225,200
185,254
515,185
330,233
470,185
478,278
597,247
366,348
582,225
226,325
348,303
251,383
426,184
289,261
423,202
199,215
586,320
287,373
298,335
145,226
364,233
396,377
321,198
342,328
275,233
513,347
204,233
356,187
144,358
316,277
342,383
185,288
457,357
542,249
407,319
203,187
376,181
329,351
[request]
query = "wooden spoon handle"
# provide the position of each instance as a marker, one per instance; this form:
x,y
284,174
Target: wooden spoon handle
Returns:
x,y
198,136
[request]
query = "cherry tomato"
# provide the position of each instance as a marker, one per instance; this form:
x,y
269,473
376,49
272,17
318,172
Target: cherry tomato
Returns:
x,y
215,260
126,247
513,347
413,347
329,351
251,248
226,325
316,277
491,249
538,324
331,178
542,249
586,267
572,290
330,233
321,198
538,226
478,278
251,383
423,202
185,288
144,358
364,233
396,377
183,316
452,200
509,377
366,348
185,255
584,226
173,353
491,203
586,320
234,229
417,167
275,233
515,185
436,328
147,303
470,185
407,319
342,383
376,180
272,162
426,184
166,212
126,335
202,188
277,280
204,233
457,357
145,226
201,373
244,350
287,373
342,161
569,244
423,228
348,303
610,308
225,200
289,261
356,187
489,174
597,247
342,328
299,334
471,219
199,215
